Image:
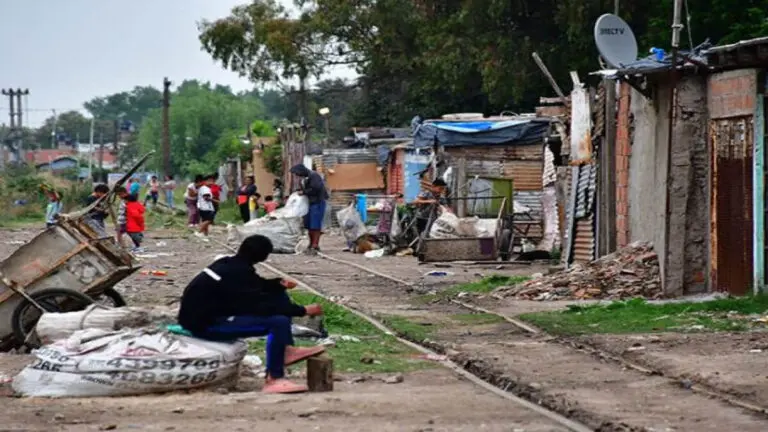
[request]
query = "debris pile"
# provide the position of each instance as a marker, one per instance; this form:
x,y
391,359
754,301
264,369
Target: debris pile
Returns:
x,y
629,272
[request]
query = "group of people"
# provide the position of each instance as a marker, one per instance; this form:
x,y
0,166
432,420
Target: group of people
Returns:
x,y
202,198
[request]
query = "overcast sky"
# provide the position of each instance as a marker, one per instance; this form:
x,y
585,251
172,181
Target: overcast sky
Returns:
x,y
69,51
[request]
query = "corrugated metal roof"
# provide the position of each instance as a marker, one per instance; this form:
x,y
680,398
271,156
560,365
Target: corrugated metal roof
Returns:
x,y
585,193
737,45
650,65
530,199
332,157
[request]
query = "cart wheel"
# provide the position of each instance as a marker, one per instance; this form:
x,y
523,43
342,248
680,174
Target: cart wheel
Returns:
x,y
110,297
26,315
505,248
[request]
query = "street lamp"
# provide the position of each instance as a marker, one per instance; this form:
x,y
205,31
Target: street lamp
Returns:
x,y
325,112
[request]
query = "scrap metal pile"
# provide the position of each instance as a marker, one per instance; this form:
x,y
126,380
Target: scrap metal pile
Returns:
x,y
629,272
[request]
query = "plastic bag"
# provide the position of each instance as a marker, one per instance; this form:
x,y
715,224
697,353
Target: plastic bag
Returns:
x,y
285,233
445,226
94,363
297,206
352,226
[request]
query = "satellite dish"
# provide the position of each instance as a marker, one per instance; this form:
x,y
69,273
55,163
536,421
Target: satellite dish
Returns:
x,y
615,40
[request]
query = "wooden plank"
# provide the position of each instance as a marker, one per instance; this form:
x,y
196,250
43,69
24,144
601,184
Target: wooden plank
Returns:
x,y
320,374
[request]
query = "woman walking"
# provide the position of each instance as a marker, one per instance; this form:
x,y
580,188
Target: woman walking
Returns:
x,y
190,198
244,195
169,187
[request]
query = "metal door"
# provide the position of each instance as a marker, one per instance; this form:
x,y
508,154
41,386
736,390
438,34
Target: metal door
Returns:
x,y
731,198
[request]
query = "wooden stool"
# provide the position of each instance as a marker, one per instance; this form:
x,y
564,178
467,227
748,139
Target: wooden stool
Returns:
x,y
320,373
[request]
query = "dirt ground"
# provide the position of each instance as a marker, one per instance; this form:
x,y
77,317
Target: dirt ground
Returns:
x,y
426,400
602,394
599,393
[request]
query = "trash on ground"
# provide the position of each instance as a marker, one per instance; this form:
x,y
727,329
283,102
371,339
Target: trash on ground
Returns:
x,y
438,273
154,273
376,253
252,361
93,363
433,357
395,379
630,272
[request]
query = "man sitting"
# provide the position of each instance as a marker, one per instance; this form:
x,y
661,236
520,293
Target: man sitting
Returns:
x,y
229,300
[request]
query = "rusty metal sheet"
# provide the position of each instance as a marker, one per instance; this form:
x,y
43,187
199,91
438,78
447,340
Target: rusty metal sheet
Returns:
x,y
584,240
732,93
581,126
585,190
526,175
731,194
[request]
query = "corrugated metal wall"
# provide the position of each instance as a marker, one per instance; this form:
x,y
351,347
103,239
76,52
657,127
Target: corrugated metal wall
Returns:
x,y
395,172
332,157
523,164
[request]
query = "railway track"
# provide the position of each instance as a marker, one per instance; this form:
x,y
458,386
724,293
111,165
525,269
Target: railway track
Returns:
x,y
420,346
676,381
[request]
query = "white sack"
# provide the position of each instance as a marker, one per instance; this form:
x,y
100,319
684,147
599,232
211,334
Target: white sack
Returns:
x,y
52,327
93,363
445,226
486,227
352,226
284,233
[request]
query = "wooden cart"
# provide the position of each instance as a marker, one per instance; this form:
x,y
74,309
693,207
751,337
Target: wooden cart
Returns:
x,y
470,248
64,268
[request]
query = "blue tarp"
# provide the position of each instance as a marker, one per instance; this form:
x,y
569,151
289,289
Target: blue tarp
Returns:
x,y
482,132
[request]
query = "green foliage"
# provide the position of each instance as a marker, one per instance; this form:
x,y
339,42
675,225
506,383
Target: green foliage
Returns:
x,y
388,354
204,126
21,183
639,316
439,56
273,158
263,128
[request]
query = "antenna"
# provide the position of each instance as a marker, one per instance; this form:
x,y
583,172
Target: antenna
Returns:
x,y
615,40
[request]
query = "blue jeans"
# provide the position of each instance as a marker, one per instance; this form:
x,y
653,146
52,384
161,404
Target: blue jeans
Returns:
x,y
313,220
277,328
169,198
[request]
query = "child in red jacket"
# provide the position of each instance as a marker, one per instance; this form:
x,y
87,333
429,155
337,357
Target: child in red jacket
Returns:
x,y
134,220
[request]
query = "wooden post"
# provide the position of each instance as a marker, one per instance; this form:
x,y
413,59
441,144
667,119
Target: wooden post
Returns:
x,y
320,374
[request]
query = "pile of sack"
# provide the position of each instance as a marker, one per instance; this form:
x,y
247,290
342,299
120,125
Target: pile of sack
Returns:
x,y
283,227
90,353
448,225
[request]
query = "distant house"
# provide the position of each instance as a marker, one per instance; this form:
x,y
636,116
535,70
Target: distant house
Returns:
x,y
63,158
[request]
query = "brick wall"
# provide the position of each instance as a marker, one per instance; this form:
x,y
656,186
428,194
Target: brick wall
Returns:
x,y
623,152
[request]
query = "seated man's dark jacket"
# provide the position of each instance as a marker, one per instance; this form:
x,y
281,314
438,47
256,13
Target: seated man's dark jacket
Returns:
x,y
241,291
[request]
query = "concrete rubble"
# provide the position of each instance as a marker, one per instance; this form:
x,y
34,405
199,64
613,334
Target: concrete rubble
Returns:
x,y
627,273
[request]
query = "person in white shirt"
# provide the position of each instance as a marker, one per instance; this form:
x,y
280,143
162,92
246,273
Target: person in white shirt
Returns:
x,y
206,208
190,198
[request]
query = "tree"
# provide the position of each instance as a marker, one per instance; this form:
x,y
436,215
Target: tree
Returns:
x,y
131,105
207,125
262,42
73,125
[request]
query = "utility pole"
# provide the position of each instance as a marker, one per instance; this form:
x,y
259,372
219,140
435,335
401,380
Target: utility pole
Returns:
x,y
17,117
90,151
608,243
12,114
20,123
101,153
166,127
53,131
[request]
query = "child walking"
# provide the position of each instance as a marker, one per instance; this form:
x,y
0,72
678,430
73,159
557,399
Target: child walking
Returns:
x,y
206,208
134,221
53,209
122,217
